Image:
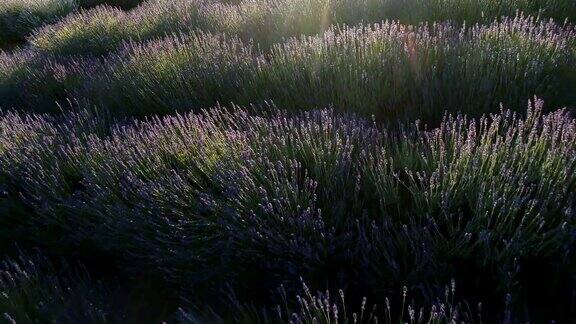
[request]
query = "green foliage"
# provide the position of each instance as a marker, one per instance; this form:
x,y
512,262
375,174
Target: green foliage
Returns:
x,y
103,29
19,17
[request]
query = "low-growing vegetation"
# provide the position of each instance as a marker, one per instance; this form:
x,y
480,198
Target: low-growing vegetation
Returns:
x,y
207,161
390,71
212,198
267,22
19,18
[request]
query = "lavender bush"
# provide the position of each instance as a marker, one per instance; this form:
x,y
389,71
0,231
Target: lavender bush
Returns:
x,y
19,17
33,82
268,21
103,29
239,198
124,4
389,70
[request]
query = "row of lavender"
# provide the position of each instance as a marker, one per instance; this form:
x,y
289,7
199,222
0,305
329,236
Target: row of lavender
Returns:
x,y
19,18
388,70
237,199
267,22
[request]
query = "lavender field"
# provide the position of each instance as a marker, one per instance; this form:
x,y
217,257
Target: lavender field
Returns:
x,y
287,161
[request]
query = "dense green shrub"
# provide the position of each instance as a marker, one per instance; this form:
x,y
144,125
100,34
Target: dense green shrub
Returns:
x,y
99,26
19,17
103,29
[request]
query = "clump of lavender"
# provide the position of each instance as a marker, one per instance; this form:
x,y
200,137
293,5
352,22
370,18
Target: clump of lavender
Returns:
x,y
268,21
18,18
182,72
36,83
100,27
390,70
103,29
463,11
211,198
484,185
322,308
